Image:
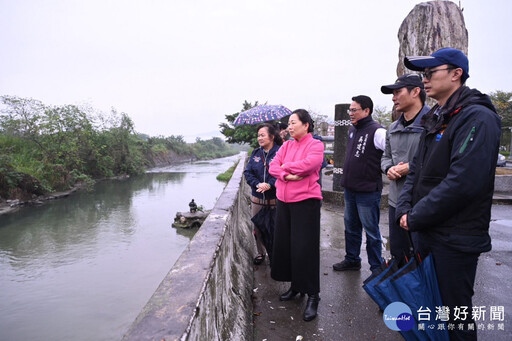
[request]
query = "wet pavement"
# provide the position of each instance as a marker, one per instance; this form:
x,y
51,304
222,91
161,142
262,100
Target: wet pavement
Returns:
x,y
346,312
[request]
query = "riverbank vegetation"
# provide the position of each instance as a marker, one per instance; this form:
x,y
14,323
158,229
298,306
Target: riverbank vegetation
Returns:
x,y
226,176
47,148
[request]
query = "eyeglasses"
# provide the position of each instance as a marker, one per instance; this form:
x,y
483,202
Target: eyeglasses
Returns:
x,y
353,111
428,74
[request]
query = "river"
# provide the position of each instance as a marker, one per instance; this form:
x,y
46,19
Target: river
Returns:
x,y
83,267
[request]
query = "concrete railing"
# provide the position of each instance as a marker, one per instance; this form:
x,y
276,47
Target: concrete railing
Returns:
x,y
503,183
207,293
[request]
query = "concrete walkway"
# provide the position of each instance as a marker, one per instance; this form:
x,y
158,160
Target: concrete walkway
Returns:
x,y
346,312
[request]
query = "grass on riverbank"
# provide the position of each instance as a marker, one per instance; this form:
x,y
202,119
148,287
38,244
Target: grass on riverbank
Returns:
x,y
226,176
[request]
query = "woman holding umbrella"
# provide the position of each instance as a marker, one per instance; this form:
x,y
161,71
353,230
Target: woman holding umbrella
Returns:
x,y
261,182
296,254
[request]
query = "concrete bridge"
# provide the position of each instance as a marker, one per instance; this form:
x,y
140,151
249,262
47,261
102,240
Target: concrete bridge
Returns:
x,y
214,292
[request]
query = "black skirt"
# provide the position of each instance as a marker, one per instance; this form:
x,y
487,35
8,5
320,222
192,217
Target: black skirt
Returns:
x,y
296,252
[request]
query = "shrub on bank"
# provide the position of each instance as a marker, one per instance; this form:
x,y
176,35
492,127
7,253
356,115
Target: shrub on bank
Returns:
x,y
58,146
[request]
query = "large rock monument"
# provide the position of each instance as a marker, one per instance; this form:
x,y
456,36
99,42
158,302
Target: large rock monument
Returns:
x,y
429,27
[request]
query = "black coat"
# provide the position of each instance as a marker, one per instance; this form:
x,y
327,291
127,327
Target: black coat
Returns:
x,y
450,184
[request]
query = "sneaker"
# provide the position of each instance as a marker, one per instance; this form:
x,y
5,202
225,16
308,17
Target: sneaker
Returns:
x,y
342,266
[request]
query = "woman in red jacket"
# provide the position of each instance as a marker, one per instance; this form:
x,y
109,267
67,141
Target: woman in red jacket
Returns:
x,y
296,251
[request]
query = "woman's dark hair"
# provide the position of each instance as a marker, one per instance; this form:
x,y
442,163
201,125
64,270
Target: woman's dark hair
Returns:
x,y
304,117
364,102
272,131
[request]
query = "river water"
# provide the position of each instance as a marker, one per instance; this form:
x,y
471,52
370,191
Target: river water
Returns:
x,y
83,267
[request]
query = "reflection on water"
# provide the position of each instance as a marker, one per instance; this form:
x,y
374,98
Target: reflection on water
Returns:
x,y
82,268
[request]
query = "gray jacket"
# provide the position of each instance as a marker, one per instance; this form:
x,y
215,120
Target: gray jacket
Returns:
x,y
401,145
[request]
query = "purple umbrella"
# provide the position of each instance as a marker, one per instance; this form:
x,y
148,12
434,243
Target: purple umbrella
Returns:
x,y
262,113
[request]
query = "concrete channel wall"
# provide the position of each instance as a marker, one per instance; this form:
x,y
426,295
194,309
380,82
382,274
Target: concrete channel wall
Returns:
x,y
207,293
503,183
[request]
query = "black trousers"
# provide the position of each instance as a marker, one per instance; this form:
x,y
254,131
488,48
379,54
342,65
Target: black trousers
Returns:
x,y
296,256
456,273
399,242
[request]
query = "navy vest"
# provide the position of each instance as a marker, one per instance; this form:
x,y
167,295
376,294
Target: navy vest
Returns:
x,y
361,172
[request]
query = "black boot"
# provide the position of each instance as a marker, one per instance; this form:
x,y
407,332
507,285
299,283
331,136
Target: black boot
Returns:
x,y
289,295
311,307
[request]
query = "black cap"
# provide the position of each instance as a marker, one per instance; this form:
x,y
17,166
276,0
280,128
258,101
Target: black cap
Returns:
x,y
408,79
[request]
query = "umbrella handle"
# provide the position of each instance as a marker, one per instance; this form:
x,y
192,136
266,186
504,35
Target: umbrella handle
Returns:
x,y
411,243
411,247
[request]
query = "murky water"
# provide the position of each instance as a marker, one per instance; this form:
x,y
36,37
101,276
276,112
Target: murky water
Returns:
x,y
82,268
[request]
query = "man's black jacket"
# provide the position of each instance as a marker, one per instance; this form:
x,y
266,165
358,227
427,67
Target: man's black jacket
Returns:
x,y
449,188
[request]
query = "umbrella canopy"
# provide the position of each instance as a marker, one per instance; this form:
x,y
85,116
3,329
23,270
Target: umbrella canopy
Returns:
x,y
262,113
414,284
385,271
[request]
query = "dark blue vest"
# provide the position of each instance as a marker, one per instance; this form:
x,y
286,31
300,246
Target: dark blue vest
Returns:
x,y
361,172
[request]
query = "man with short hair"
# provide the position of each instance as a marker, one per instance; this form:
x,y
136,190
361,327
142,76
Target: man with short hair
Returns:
x,y
362,182
402,140
447,195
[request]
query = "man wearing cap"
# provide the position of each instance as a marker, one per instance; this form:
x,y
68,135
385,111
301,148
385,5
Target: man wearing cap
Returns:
x,y
362,182
447,195
402,140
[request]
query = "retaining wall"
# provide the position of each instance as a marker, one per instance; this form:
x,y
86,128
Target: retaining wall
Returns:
x,y
207,293
503,183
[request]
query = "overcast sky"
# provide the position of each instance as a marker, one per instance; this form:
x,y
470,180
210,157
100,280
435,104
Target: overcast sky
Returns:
x,y
177,67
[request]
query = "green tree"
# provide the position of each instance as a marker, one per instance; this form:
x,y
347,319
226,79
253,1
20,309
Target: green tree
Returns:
x,y
51,139
217,141
62,144
213,148
240,134
124,147
381,115
47,148
502,100
66,136
21,117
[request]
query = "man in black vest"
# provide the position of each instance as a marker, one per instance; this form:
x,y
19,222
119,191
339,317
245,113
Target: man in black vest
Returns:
x,y
362,182
447,195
